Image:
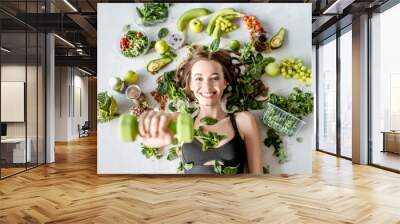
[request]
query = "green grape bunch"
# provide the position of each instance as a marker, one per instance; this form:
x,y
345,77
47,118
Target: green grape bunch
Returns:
x,y
225,25
294,68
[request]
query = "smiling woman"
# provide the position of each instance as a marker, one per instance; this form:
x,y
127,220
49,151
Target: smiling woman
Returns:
x,y
230,143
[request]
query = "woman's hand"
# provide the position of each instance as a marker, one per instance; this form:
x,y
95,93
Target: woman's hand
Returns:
x,y
153,127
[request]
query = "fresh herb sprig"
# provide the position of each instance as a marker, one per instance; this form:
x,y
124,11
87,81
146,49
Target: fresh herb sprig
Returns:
x,y
176,95
163,32
152,13
249,85
298,103
208,120
184,166
276,142
211,139
149,152
221,169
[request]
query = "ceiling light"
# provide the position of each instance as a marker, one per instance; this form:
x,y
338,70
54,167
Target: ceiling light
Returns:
x,y
84,71
338,6
64,40
70,5
5,50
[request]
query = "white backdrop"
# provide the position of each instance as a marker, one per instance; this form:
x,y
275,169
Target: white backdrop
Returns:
x,y
117,157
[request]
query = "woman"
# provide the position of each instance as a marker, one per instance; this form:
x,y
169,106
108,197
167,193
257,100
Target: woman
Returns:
x,y
205,76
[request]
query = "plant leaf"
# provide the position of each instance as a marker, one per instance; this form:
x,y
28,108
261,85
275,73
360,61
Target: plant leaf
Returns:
x,y
163,33
152,44
172,155
188,166
180,168
231,169
217,167
208,120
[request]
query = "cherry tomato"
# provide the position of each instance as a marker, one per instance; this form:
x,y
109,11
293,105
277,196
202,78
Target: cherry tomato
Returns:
x,y
123,43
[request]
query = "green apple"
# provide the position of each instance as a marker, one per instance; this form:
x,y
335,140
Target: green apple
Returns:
x,y
161,46
272,69
195,25
234,45
130,77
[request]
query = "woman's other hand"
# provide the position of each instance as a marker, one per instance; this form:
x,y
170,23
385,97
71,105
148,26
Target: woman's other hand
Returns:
x,y
153,128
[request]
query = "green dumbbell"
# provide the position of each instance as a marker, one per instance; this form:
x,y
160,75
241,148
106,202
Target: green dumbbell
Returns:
x,y
182,127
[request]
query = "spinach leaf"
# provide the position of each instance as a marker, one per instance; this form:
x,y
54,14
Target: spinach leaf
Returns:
x,y
188,166
152,13
152,44
274,140
180,168
217,167
149,152
211,139
208,120
249,85
172,155
231,169
163,33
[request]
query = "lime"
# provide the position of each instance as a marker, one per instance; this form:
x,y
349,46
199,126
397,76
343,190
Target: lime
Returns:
x,y
234,45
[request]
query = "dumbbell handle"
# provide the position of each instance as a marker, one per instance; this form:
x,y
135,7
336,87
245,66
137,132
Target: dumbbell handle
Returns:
x,y
182,127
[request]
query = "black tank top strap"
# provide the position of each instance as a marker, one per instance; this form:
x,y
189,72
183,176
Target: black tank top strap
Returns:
x,y
234,125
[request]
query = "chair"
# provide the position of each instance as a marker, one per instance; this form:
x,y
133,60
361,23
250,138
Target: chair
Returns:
x,y
84,130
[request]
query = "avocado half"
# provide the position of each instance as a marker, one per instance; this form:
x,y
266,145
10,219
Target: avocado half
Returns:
x,y
277,40
157,64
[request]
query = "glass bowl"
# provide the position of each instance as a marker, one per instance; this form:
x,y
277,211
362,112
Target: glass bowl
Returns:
x,y
133,50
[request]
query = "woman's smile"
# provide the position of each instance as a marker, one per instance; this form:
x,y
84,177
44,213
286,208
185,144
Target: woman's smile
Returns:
x,y
209,95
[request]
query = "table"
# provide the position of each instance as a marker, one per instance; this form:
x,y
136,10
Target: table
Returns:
x,y
391,141
17,150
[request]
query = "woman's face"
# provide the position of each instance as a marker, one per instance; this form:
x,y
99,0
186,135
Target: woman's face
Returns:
x,y
207,82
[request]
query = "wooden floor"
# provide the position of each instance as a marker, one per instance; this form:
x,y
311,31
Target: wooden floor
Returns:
x,y
70,191
387,159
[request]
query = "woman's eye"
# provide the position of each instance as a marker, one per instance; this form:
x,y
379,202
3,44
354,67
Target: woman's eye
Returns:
x,y
198,79
216,78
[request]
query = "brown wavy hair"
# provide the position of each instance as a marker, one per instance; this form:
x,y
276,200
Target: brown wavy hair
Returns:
x,y
229,60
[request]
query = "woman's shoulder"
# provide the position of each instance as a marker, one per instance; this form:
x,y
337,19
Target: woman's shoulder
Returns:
x,y
245,116
245,121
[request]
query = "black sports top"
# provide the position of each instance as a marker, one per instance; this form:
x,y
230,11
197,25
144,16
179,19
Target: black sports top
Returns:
x,y
232,153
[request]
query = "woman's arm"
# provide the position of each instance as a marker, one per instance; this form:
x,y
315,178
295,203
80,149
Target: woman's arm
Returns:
x,y
248,128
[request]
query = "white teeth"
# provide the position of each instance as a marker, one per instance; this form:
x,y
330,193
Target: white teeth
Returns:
x,y
207,94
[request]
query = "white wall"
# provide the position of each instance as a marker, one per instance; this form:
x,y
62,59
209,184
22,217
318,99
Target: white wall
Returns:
x,y
117,157
67,115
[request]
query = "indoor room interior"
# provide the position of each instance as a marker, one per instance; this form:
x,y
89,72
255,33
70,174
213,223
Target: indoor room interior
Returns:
x,y
49,151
